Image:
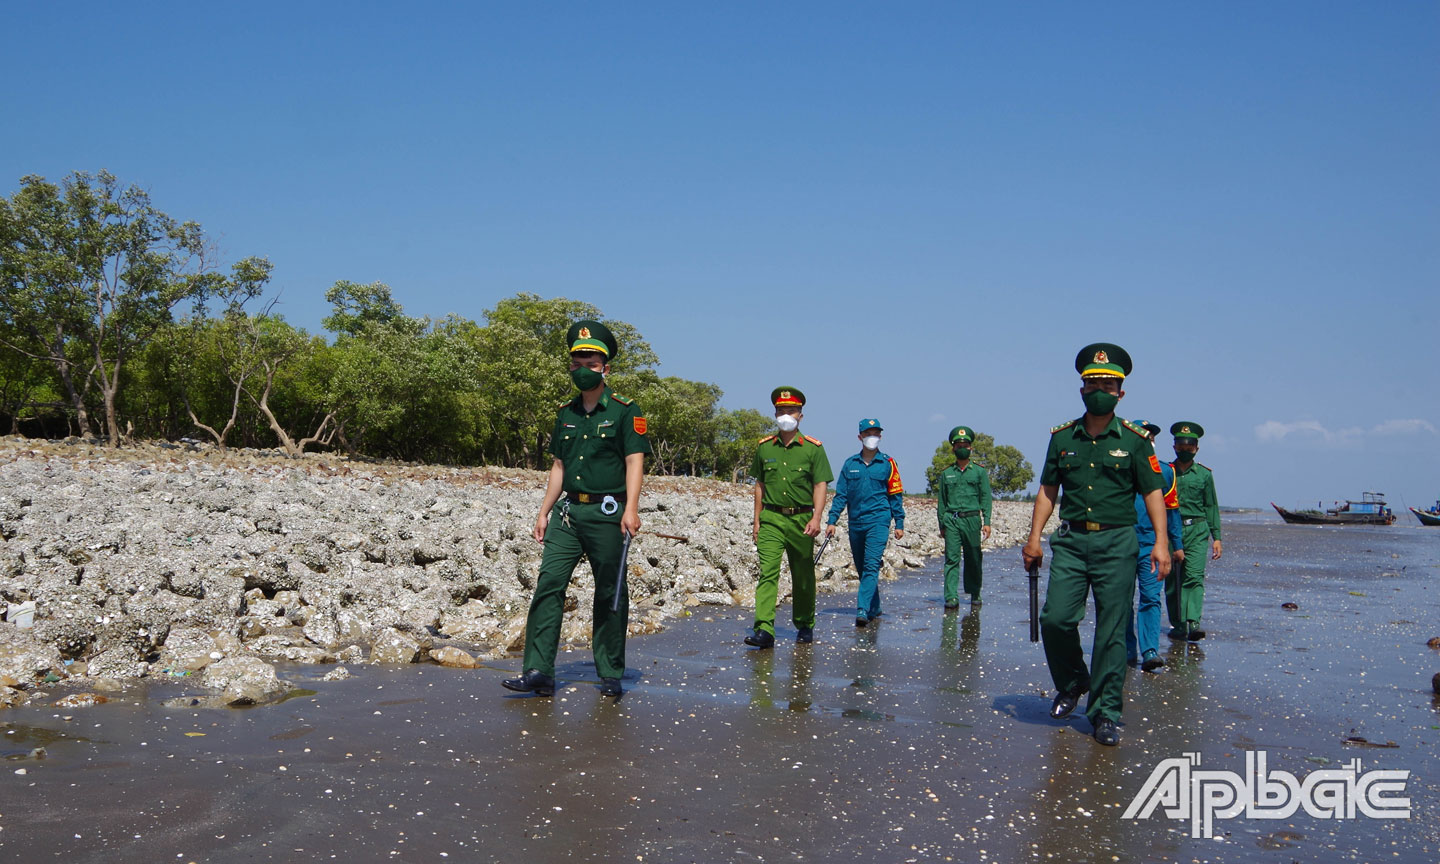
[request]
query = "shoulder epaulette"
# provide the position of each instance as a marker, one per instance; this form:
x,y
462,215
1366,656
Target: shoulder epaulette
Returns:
x,y
621,399
1138,430
767,438
1206,467
1063,426
812,440
564,403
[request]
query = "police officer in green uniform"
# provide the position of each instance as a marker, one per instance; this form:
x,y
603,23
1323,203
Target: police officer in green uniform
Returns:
x,y
1101,462
791,474
1200,524
592,500
963,506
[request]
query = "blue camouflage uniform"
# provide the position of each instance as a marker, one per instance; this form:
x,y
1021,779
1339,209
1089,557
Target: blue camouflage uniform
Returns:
x,y
875,496
1147,617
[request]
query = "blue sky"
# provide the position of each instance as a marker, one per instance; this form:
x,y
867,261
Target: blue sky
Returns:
x,y
913,211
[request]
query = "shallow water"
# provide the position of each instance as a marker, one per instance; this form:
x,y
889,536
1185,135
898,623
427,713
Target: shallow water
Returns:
x,y
924,737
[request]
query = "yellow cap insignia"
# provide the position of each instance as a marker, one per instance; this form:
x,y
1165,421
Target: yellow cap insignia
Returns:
x,y
1185,429
584,332
1102,357
784,394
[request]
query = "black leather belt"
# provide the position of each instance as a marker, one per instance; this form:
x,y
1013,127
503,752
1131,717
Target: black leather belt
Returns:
x,y
594,498
1089,527
964,514
788,511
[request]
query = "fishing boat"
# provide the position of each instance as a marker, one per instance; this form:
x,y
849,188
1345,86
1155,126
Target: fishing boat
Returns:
x,y
1369,510
1428,517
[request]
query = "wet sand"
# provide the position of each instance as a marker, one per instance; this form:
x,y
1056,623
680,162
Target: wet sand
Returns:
x,y
924,737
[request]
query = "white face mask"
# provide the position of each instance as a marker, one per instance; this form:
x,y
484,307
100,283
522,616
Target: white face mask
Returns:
x,y
871,442
787,423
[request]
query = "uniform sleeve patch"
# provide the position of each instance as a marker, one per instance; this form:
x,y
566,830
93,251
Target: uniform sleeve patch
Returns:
x,y
893,486
640,427
1154,463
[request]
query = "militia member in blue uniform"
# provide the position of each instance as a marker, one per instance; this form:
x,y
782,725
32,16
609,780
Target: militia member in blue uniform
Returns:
x,y
869,484
963,506
1146,649
792,475
592,500
1102,462
1200,521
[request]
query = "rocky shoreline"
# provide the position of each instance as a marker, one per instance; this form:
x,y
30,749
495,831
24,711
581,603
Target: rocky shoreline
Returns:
x,y
172,560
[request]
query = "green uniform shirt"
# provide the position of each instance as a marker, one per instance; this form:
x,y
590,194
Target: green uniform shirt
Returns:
x,y
966,490
1100,477
1196,486
790,473
593,446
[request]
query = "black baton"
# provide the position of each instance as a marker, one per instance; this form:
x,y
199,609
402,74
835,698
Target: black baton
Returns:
x,y
1033,571
821,552
620,577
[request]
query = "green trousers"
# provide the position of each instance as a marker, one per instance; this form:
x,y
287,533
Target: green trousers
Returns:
x,y
785,535
962,542
1185,586
586,531
1103,562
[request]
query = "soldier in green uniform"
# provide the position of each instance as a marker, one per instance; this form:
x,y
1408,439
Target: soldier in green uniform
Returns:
x,y
592,500
963,506
791,474
1200,525
1101,462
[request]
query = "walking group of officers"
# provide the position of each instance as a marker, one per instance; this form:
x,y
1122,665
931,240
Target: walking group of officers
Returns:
x,y
1126,520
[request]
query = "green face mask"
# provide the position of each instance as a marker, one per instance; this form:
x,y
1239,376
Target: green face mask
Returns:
x,y
586,379
1099,403
962,452
1184,455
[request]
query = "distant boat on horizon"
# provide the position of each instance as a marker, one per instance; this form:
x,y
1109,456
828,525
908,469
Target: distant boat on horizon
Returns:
x,y
1369,510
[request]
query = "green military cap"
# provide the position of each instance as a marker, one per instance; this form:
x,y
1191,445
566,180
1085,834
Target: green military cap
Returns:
x,y
1102,359
783,396
1187,429
962,433
1152,428
592,336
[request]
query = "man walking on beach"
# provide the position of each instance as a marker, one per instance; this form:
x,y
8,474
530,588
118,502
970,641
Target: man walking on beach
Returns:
x,y
963,507
1145,649
1200,521
791,474
869,485
592,503
1102,462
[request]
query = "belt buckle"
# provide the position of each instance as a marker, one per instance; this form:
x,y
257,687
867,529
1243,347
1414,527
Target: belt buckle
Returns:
x,y
1092,526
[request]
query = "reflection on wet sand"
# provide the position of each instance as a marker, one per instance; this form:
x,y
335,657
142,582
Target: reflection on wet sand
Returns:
x,y
873,742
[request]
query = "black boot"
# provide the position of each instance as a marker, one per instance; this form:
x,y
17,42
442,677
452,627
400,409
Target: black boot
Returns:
x,y
533,681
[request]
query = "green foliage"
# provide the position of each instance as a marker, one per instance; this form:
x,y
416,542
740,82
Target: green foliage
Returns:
x,y
1008,469
92,276
90,271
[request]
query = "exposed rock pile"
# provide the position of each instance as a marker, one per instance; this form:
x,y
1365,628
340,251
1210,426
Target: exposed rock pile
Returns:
x,y
162,559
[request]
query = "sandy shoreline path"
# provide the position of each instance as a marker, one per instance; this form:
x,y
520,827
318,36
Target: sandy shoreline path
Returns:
x,y
177,560
923,737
